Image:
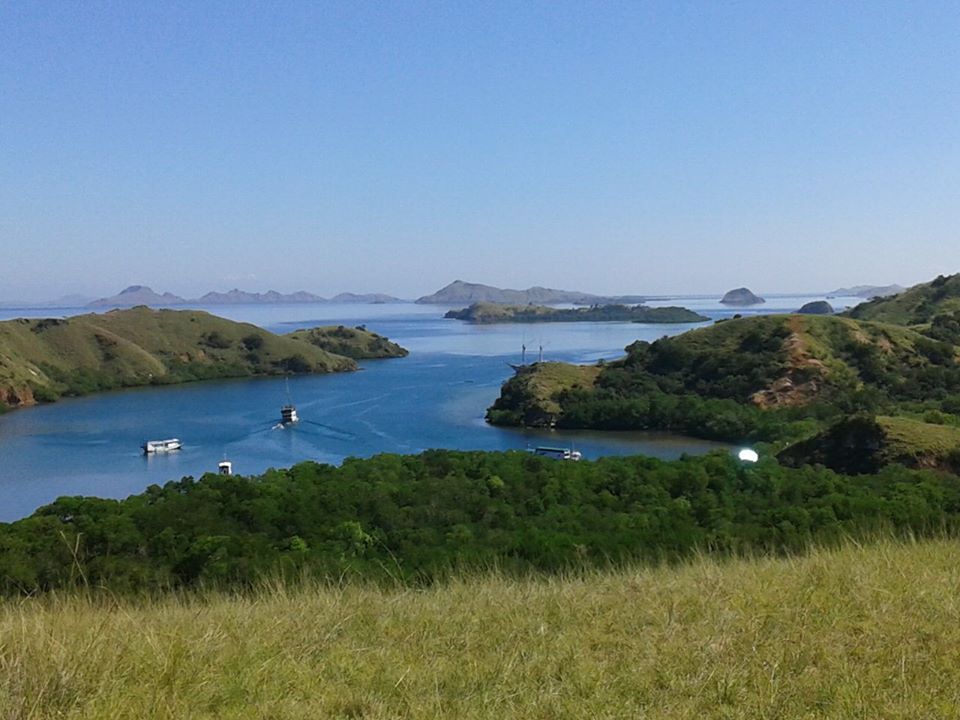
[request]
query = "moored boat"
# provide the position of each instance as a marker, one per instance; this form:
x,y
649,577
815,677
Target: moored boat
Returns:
x,y
558,453
161,446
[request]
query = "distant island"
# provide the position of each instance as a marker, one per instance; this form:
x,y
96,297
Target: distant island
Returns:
x,y
42,360
817,307
143,295
489,313
741,296
465,293
867,292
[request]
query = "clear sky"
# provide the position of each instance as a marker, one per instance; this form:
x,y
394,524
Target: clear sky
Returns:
x,y
367,146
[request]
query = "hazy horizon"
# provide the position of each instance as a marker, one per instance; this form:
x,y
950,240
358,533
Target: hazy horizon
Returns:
x,y
197,294
620,148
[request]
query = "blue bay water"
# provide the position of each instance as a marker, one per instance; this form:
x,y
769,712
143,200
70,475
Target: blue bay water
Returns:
x,y
435,398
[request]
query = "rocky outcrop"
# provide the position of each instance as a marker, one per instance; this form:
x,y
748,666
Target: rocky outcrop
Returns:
x,y
15,397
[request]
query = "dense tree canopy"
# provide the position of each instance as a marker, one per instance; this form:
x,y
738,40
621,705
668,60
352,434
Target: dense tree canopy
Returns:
x,y
414,518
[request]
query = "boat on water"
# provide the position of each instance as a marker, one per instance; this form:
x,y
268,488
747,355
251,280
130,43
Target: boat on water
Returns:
x,y
288,412
558,453
288,415
161,446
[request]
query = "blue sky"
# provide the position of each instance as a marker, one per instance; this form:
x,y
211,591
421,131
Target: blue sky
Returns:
x,y
635,147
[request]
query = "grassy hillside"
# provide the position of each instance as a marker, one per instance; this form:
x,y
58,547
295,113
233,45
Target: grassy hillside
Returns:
x,y
862,631
864,444
532,397
489,313
357,343
917,305
751,378
44,359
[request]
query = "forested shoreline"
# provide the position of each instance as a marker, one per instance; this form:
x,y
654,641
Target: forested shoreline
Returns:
x,y
418,518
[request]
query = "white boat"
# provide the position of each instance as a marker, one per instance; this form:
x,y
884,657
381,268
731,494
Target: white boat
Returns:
x,y
161,446
288,415
558,453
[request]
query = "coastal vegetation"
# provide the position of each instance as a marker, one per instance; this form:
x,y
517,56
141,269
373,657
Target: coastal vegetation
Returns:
x,y
42,360
860,630
777,379
418,519
488,313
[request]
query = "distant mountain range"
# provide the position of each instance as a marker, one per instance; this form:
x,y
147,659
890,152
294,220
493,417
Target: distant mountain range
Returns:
x,y
465,293
142,295
137,295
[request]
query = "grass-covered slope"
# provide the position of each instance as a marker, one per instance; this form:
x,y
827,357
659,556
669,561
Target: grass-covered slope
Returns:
x,y
489,313
917,305
44,359
747,378
357,343
864,444
856,632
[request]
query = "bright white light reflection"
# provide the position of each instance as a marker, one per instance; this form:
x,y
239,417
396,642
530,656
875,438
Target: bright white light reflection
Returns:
x,y
748,455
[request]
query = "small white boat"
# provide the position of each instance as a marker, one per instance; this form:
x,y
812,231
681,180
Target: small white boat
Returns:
x,y
288,415
161,446
558,453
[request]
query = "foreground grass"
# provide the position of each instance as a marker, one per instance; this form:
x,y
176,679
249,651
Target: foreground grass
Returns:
x,y
858,632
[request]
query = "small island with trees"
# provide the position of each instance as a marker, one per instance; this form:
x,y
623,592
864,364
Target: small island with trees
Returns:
x,y
489,313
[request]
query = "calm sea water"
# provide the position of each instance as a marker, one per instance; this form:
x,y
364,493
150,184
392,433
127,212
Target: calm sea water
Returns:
x,y
435,398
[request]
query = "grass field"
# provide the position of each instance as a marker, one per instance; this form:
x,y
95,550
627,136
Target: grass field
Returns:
x,y
859,632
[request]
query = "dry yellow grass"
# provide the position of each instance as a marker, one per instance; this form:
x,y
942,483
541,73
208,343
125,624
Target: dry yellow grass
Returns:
x,y
868,632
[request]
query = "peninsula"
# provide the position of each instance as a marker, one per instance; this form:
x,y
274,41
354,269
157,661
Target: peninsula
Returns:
x,y
781,379
42,360
489,313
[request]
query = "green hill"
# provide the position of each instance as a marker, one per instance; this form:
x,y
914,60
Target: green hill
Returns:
x,y
41,360
488,313
357,343
863,444
917,305
861,631
771,377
